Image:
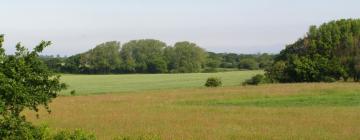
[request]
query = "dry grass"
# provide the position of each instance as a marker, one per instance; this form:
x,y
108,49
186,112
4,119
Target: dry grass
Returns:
x,y
161,113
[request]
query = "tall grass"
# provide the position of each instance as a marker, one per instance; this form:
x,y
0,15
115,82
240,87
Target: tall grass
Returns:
x,y
329,111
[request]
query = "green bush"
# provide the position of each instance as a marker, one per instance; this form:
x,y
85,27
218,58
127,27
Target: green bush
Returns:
x,y
256,80
210,70
14,129
73,135
213,82
248,64
329,79
73,92
140,137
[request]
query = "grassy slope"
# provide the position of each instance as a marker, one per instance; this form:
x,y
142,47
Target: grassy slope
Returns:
x,y
263,112
91,84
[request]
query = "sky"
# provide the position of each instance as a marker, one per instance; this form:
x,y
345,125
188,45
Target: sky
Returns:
x,y
239,26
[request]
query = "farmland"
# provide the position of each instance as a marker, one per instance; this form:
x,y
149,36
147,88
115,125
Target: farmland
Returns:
x,y
274,111
97,84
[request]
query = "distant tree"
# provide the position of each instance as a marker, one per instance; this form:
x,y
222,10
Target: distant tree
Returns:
x,y
265,60
327,53
229,60
255,80
157,66
186,57
153,56
144,56
213,61
26,83
104,58
276,73
249,64
72,64
53,63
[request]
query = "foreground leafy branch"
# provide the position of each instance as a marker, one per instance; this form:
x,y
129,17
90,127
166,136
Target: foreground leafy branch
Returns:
x,y
26,83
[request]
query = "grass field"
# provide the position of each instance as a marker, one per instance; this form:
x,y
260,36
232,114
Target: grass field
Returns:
x,y
283,111
96,84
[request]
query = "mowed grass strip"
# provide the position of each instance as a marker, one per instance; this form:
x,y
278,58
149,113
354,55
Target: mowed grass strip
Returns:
x,y
344,97
97,84
162,113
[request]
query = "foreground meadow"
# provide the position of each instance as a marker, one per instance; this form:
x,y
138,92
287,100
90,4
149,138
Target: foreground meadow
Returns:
x,y
284,111
97,84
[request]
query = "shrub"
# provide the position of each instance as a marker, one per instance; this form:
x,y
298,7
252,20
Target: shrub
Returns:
x,y
12,128
328,79
248,64
256,80
74,135
140,137
210,70
213,82
73,92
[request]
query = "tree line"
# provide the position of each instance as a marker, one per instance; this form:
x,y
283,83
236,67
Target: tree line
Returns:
x,y
327,53
153,56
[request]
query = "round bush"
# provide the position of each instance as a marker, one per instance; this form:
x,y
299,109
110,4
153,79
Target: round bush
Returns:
x,y
256,80
73,92
213,82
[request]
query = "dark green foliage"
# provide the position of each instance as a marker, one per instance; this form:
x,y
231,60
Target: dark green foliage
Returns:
x,y
137,56
21,129
144,56
15,128
73,135
213,82
256,80
26,83
153,56
104,58
213,61
54,63
245,61
140,137
73,92
327,53
72,65
186,57
249,64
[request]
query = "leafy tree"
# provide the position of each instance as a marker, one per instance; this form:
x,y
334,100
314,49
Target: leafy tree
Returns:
x,y
230,60
186,57
265,60
53,63
277,72
72,65
256,80
104,58
153,56
26,83
249,64
213,61
327,53
144,56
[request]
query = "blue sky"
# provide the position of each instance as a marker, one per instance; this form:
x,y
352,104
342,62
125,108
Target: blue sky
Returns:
x,y
241,26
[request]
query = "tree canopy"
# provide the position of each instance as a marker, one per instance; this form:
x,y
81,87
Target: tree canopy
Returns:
x,y
329,52
153,56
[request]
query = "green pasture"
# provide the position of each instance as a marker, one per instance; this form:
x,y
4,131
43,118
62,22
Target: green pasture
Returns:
x,y
96,84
